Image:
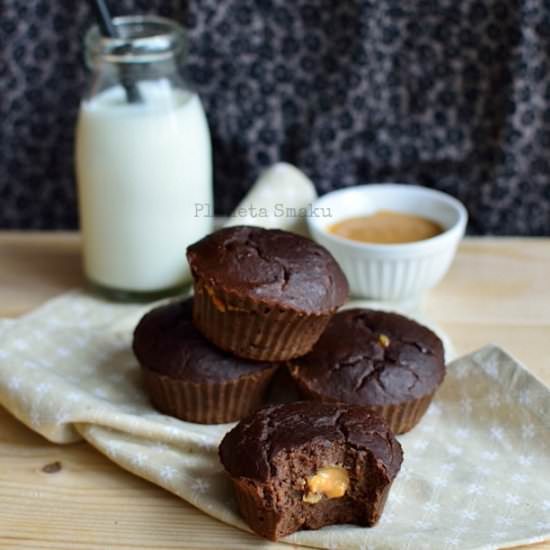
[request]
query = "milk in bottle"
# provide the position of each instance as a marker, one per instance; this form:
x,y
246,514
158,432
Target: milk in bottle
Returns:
x,y
142,166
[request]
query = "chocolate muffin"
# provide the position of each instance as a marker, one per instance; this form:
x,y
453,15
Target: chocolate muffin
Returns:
x,y
305,465
384,361
264,294
187,377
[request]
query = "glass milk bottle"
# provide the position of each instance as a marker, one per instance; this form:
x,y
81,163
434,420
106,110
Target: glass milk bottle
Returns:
x,y
143,161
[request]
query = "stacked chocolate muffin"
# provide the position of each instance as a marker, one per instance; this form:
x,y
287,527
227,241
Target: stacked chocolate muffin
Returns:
x,y
383,361
264,300
189,378
261,297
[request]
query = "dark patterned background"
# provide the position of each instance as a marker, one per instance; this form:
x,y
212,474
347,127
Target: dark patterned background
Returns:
x,y
451,94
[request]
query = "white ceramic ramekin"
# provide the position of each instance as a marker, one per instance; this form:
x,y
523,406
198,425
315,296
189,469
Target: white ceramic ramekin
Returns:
x,y
390,271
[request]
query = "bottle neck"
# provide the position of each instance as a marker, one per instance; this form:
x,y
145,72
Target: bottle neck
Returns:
x,y
147,48
168,68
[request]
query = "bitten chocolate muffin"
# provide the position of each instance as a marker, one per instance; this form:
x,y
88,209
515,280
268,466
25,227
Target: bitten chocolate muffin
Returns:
x,y
264,294
380,360
187,377
305,465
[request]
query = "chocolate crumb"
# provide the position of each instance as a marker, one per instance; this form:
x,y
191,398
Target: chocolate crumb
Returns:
x,y
52,467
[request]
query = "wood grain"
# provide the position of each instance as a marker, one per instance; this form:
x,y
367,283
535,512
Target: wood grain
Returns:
x,y
497,291
36,266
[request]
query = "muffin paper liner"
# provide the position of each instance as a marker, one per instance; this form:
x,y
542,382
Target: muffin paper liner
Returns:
x,y
254,330
209,402
403,417
400,417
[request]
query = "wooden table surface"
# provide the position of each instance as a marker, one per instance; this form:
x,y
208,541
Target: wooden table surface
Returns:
x,y
498,290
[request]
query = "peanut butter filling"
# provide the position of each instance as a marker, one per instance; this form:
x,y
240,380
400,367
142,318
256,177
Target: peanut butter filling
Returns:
x,y
218,304
328,482
384,341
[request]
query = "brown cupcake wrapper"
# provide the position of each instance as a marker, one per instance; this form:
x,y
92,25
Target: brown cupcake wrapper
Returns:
x,y
400,417
208,402
403,417
253,330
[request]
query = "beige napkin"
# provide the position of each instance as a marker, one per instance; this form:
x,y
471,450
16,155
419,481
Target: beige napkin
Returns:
x,y
476,472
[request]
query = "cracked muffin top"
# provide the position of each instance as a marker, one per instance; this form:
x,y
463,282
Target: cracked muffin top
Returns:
x,y
372,357
251,448
276,267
